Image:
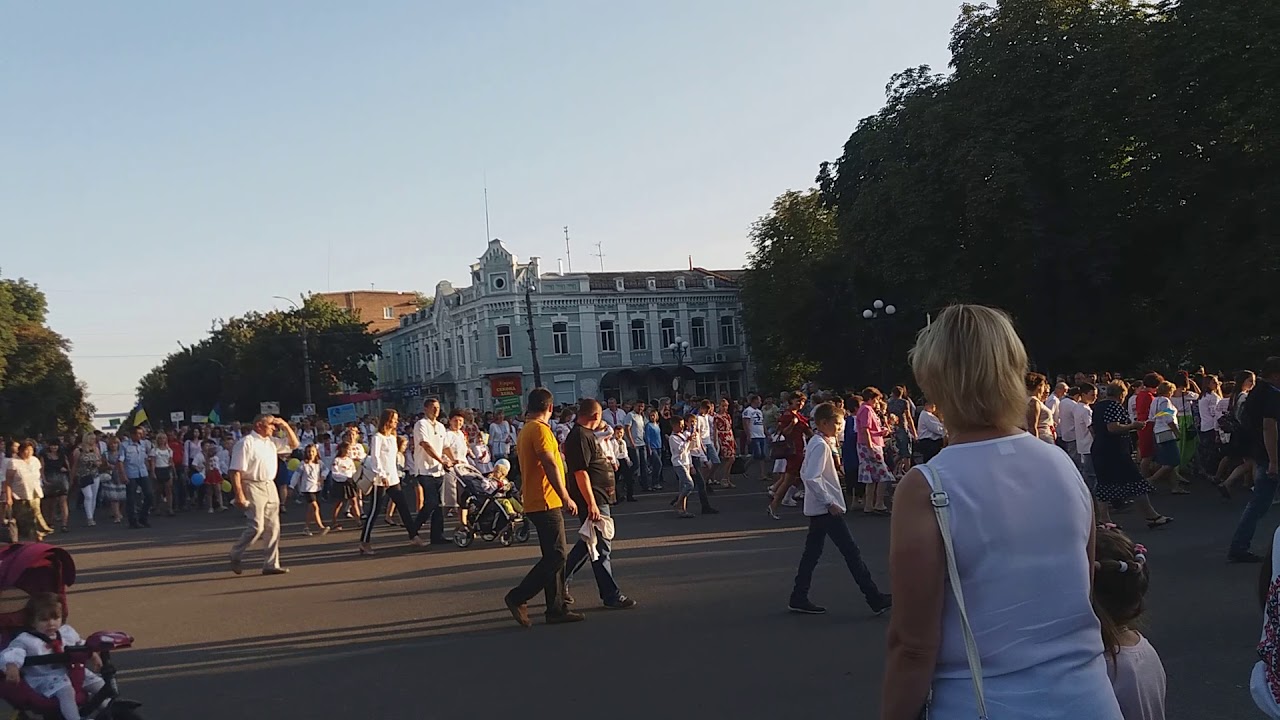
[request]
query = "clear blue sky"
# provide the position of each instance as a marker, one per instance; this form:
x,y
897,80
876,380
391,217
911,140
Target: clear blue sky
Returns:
x,y
166,162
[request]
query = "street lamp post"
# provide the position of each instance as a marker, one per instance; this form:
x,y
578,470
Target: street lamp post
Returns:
x,y
879,310
306,352
679,350
533,337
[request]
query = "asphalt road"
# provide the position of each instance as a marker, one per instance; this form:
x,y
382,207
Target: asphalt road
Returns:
x,y
414,634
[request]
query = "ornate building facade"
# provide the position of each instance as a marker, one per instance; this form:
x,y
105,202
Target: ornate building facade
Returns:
x,y
597,335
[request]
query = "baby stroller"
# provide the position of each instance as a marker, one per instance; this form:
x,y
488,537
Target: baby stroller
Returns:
x,y
40,568
493,509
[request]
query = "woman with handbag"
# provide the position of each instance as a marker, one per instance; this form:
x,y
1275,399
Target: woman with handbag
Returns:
x,y
381,477
991,549
1168,456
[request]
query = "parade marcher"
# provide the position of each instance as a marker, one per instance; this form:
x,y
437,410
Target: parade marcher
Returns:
x,y
972,363
500,436
636,451
23,492
1119,481
758,445
162,470
544,494
1258,423
87,464
794,429
429,465
56,484
1167,457
726,445
252,469
653,448
386,482
825,508
137,470
932,433
873,472
592,483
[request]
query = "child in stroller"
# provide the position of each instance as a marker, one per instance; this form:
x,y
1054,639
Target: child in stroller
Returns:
x,y
490,507
50,671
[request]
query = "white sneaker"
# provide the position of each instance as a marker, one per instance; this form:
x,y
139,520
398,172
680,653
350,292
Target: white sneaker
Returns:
x,y
790,503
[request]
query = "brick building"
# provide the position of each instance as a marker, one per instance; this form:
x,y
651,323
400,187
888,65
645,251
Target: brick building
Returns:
x,y
382,309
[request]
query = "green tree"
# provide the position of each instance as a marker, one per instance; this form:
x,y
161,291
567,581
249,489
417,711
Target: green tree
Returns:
x,y
39,392
259,357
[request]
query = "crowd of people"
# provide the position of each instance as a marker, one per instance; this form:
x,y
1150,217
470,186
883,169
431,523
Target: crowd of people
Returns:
x,y
1096,445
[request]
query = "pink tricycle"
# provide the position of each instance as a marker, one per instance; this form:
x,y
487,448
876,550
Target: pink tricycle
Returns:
x,y
39,568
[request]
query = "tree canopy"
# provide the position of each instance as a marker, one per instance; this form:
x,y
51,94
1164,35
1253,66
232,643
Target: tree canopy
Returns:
x,y
39,392
259,357
1104,170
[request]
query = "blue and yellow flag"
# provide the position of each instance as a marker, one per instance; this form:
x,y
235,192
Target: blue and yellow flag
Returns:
x,y
215,418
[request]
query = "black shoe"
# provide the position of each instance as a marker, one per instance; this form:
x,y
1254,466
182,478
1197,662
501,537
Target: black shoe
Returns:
x,y
564,618
710,511
804,607
275,571
622,603
1244,557
883,604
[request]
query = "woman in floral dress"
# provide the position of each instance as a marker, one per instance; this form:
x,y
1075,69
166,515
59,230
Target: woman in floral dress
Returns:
x,y
722,426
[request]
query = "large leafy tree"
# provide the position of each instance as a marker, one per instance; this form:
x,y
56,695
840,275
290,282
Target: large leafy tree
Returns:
x,y
259,357
39,392
1105,170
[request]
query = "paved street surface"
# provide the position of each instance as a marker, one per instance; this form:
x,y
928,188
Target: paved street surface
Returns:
x,y
417,634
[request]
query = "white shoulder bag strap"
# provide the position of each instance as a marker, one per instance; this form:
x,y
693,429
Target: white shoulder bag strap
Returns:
x,y
941,509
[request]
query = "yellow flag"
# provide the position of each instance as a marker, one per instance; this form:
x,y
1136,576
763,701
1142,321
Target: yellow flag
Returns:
x,y
139,417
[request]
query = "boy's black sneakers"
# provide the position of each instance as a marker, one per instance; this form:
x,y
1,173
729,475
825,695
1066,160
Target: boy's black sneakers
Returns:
x,y
805,607
883,604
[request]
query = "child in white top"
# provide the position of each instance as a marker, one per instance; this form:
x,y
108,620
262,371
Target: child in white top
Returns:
x,y
45,634
682,443
479,455
308,482
1120,580
343,473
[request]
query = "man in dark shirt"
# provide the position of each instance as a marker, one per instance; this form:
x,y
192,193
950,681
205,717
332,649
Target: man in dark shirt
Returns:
x,y
592,487
1259,418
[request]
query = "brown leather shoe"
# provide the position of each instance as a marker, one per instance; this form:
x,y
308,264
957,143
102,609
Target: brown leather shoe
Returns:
x,y
519,611
565,618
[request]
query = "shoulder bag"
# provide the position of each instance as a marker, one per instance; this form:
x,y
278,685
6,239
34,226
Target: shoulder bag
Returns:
x,y
941,509
366,479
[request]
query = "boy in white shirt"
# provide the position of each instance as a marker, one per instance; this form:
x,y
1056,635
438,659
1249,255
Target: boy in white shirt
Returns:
x,y
682,463
825,508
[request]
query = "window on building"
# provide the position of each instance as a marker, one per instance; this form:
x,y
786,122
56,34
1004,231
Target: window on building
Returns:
x,y
436,361
698,332
448,353
608,337
560,338
728,332
504,341
639,341
388,313
462,351
667,331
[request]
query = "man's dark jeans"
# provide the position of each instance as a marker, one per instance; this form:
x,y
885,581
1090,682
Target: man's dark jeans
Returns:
x,y
138,512
548,574
639,466
431,509
820,528
601,567
1264,491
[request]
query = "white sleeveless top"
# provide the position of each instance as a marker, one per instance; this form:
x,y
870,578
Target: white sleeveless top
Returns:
x,y
1020,522
1044,424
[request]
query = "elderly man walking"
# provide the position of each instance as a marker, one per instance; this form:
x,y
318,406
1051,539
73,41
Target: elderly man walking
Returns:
x,y
254,463
137,467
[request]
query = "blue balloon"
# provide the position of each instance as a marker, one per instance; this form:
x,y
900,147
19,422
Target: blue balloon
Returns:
x,y
197,479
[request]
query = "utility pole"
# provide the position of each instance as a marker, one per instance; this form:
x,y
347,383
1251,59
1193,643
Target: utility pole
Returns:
x,y
600,254
306,350
568,256
533,337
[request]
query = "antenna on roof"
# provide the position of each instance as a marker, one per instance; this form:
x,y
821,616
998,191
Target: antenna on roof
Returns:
x,y
487,236
600,254
690,262
568,256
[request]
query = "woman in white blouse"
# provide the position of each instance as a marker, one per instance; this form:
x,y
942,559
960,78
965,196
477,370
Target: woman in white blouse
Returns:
x,y
23,492
1211,405
383,447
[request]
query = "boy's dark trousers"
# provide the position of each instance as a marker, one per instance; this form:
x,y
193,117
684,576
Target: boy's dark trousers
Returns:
x,y
820,528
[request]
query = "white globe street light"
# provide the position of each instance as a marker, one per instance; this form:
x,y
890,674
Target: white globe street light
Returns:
x,y
867,314
889,310
878,304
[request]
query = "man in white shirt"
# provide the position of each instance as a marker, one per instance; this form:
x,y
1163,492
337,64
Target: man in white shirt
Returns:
x,y
1082,422
702,462
429,464
1055,399
614,415
930,432
1065,423
254,462
758,446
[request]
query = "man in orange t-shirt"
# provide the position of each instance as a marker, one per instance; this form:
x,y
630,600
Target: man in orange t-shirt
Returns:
x,y
544,495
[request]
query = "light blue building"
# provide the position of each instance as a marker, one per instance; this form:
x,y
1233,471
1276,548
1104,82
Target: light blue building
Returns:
x,y
598,335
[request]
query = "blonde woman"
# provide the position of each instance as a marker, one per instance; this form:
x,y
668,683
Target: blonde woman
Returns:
x,y
87,463
1039,642
1167,433
383,447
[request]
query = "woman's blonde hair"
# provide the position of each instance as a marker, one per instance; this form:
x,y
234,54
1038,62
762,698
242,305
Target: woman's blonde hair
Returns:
x,y
1165,388
971,362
